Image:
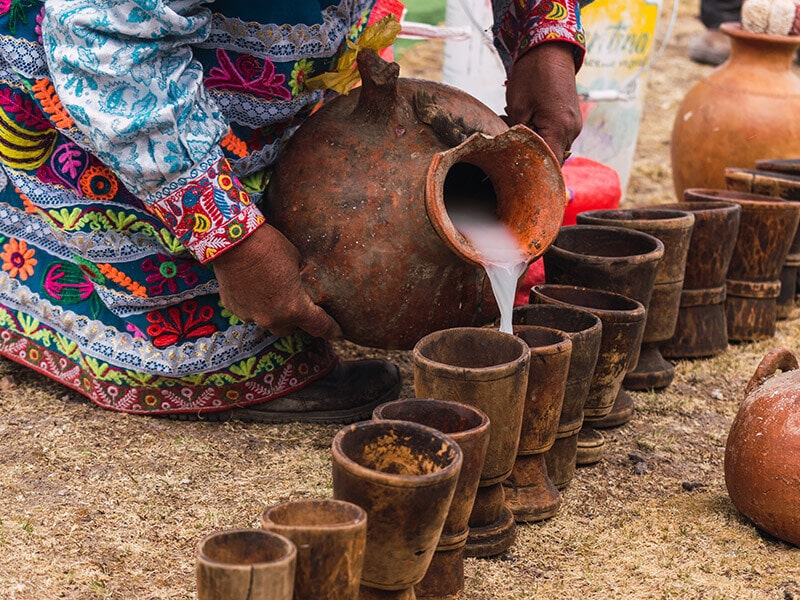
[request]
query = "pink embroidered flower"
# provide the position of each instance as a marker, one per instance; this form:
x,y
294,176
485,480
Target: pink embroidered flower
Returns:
x,y
245,76
165,273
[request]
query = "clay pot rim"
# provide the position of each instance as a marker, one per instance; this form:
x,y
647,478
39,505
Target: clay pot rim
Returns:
x,y
744,199
659,218
395,480
655,253
444,404
353,515
734,29
636,311
288,546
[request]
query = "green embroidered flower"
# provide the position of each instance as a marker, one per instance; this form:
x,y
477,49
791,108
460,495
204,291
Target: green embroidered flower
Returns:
x,y
301,71
234,230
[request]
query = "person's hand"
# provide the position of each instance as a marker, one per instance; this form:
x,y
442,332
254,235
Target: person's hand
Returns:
x,y
541,93
259,280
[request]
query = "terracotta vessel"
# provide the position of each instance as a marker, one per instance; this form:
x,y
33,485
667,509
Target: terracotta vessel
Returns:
x,y
404,476
767,228
773,182
330,537
762,453
585,331
469,428
245,564
741,112
616,259
623,322
488,369
701,329
380,252
529,492
674,229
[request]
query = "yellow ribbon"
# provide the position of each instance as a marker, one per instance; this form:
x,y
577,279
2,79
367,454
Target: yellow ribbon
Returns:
x,y
376,37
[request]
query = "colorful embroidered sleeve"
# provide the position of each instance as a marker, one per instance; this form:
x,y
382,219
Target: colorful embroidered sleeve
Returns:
x,y
519,25
125,72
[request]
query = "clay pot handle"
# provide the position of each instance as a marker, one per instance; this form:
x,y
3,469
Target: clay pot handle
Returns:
x,y
777,359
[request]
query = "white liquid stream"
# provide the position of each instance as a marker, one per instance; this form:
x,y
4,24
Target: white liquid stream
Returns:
x,y
501,256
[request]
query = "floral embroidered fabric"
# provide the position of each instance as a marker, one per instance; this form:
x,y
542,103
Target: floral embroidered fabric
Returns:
x,y
135,157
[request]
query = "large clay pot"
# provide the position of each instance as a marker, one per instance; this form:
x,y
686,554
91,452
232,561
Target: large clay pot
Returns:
x,y
743,111
674,229
585,331
403,475
767,228
701,329
365,187
469,428
762,453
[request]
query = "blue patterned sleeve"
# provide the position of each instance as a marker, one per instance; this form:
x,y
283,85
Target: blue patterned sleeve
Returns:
x,y
125,72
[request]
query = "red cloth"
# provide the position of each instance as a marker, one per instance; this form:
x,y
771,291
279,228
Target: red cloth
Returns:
x,y
382,9
590,186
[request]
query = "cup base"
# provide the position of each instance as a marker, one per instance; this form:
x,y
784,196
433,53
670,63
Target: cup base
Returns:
x,y
493,539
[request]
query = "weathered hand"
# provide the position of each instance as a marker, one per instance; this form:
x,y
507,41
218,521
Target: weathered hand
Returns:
x,y
541,93
259,280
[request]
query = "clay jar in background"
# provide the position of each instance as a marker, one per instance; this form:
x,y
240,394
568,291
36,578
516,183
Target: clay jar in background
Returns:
x,y
701,329
767,227
615,259
743,111
674,229
623,322
245,564
762,452
469,428
488,369
330,537
585,331
404,476
380,252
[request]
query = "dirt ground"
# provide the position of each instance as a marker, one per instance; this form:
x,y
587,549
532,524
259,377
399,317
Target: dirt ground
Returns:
x,y
95,504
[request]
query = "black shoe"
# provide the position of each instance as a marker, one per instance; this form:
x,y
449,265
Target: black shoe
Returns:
x,y
347,394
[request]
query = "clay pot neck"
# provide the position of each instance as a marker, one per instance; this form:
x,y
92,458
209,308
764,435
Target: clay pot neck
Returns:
x,y
380,99
770,52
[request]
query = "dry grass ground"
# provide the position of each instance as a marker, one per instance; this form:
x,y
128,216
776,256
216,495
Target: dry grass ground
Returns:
x,y
95,504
